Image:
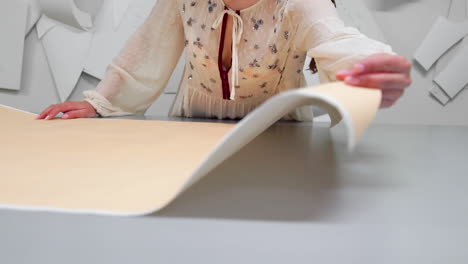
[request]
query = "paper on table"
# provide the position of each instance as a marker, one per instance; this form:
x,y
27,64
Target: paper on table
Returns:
x,y
66,11
107,43
355,107
13,18
357,14
443,35
129,167
457,13
66,50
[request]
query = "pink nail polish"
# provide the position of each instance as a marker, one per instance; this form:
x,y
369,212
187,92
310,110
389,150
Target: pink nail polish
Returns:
x,y
65,116
351,80
343,72
359,68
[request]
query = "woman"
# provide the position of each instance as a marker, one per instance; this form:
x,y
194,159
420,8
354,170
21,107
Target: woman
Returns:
x,y
238,54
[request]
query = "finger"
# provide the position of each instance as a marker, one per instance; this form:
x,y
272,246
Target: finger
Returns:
x,y
75,114
390,97
392,94
382,63
380,80
58,109
45,112
386,103
53,112
356,70
65,107
341,75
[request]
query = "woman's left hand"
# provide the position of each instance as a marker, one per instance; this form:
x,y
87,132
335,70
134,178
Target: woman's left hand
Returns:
x,y
390,73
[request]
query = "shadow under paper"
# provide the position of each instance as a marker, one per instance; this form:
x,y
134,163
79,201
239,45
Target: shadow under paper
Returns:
x,y
275,177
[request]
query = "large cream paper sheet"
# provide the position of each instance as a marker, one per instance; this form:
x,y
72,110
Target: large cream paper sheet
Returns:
x,y
130,167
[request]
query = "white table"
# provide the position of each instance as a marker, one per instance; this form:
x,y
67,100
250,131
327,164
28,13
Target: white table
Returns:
x,y
291,196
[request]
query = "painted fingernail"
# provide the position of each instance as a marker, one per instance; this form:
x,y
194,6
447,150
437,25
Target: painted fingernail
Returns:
x,y
351,80
65,116
343,72
47,117
358,68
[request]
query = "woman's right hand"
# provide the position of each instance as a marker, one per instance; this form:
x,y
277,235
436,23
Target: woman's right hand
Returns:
x,y
70,110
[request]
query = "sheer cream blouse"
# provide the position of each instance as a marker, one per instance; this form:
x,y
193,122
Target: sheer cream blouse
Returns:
x,y
271,40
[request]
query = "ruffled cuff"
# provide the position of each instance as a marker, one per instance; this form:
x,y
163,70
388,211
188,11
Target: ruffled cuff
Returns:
x,y
335,56
102,106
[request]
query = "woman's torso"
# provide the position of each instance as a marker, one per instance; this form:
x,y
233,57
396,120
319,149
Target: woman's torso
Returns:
x,y
268,59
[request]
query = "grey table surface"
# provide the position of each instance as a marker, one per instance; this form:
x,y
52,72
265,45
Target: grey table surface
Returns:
x,y
293,195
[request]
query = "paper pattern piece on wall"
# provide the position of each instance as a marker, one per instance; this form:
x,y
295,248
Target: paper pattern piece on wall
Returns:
x,y
34,13
44,25
130,167
66,50
458,12
120,8
107,43
444,44
355,13
13,19
66,12
454,77
443,35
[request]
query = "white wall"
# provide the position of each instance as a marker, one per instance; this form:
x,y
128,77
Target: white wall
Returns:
x,y
38,89
404,22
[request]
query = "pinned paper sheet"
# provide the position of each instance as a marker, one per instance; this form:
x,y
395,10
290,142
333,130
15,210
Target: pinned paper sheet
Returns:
x,y
66,50
44,25
443,35
34,13
13,19
120,8
129,167
107,43
358,15
66,12
455,77
440,65
458,12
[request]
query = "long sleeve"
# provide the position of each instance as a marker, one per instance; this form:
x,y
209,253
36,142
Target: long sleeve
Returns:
x,y
326,39
139,74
